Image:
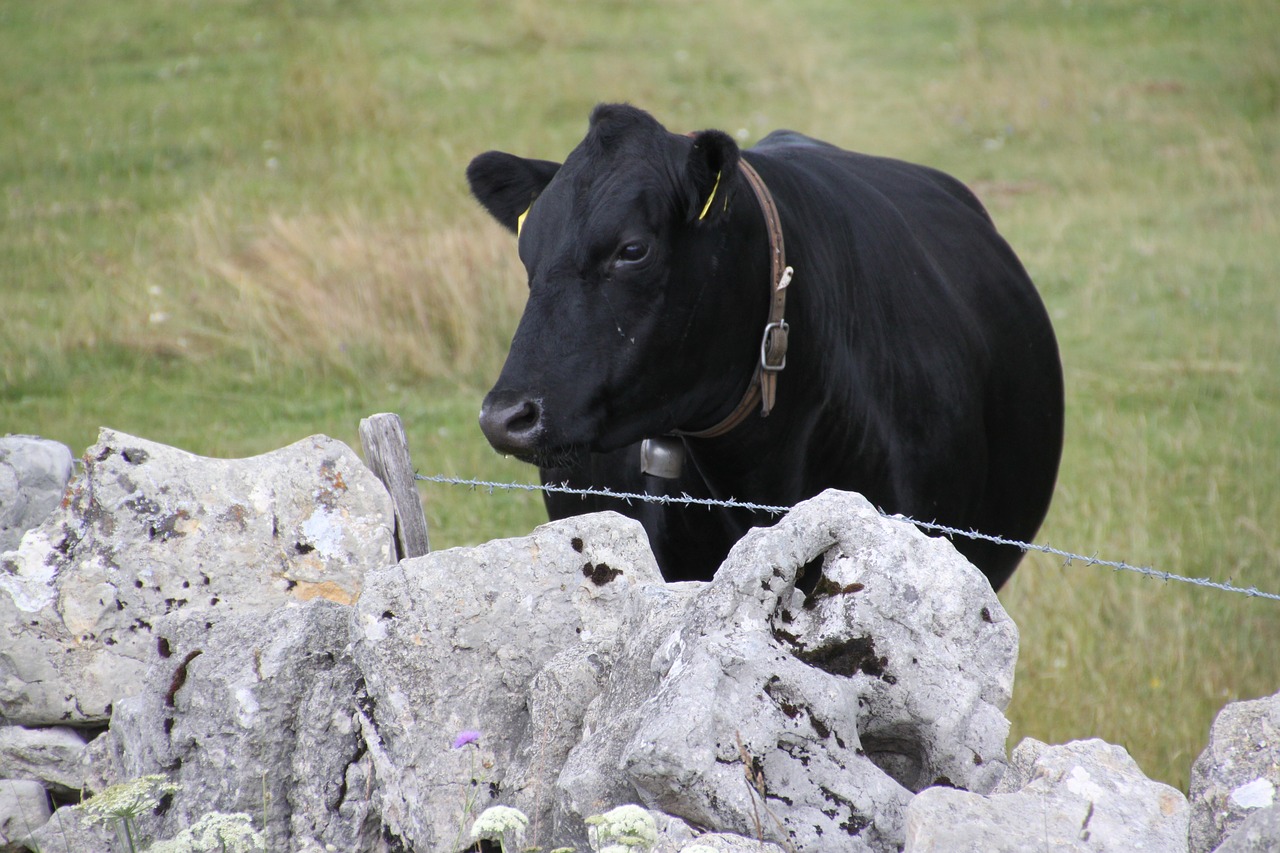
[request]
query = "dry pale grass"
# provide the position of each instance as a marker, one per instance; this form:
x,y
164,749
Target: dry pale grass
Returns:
x,y
340,290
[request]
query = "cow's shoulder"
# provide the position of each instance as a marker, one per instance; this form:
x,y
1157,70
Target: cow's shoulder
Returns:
x,y
895,179
784,142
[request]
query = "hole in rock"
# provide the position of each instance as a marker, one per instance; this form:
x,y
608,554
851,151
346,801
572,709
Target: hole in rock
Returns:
x,y
61,797
816,584
134,455
808,577
899,755
92,732
395,844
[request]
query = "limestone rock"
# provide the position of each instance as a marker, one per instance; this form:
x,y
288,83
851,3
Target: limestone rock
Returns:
x,y
149,530
50,756
452,641
99,766
584,743
256,715
1258,833
1085,795
892,675
1238,773
33,476
24,808
69,831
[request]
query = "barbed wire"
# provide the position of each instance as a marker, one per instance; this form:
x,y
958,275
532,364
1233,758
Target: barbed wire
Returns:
x,y
685,499
605,493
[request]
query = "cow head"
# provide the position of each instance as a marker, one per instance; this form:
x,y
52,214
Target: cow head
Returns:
x,y
646,270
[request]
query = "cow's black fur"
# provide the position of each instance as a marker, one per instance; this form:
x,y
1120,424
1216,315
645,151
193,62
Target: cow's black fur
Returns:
x,y
922,372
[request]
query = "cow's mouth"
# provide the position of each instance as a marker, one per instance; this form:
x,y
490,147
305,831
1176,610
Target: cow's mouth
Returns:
x,y
565,456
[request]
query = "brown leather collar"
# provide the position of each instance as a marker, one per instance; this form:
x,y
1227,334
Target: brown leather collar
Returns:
x,y
773,343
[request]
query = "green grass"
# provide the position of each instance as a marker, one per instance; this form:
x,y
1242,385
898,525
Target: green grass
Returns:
x,y
228,225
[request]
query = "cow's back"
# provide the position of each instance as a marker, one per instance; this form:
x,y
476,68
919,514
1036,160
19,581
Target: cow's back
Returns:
x,y
926,303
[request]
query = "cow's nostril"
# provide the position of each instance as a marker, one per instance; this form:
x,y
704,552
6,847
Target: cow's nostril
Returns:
x,y
525,417
512,426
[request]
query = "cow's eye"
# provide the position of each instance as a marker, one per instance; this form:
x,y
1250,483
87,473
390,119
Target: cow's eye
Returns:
x,y
632,253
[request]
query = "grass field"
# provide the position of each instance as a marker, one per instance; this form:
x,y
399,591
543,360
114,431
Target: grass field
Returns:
x,y
228,225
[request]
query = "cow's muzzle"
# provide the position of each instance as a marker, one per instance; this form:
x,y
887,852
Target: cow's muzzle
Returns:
x,y
512,423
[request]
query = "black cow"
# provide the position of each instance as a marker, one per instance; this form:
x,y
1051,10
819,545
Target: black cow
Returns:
x,y
920,365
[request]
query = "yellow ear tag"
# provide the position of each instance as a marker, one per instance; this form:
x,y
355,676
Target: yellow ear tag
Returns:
x,y
520,220
707,206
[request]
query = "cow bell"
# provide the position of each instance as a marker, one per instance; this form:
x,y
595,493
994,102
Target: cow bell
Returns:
x,y
662,457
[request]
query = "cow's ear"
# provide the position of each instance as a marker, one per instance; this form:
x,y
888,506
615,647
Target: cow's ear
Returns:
x,y
506,184
713,161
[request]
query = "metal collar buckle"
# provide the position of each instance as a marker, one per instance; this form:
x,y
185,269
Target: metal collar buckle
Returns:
x,y
775,346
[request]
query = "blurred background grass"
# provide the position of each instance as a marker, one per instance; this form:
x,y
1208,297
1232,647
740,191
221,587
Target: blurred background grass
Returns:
x,y
228,225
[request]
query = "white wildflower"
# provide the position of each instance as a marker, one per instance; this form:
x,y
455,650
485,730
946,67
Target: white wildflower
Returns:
x,y
495,822
180,843
624,829
215,833
128,799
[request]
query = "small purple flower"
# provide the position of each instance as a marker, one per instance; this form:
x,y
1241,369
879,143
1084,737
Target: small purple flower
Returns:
x,y
465,737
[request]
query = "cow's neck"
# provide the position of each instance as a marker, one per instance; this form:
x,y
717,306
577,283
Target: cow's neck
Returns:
x,y
761,393
751,463
664,456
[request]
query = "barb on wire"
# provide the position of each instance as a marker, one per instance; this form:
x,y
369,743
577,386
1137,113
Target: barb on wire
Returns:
x,y
565,489
1067,556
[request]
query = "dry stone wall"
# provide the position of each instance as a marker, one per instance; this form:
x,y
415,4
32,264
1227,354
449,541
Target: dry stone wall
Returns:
x,y
242,628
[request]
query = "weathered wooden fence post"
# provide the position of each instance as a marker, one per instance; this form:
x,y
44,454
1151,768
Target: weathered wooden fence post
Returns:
x,y
386,452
